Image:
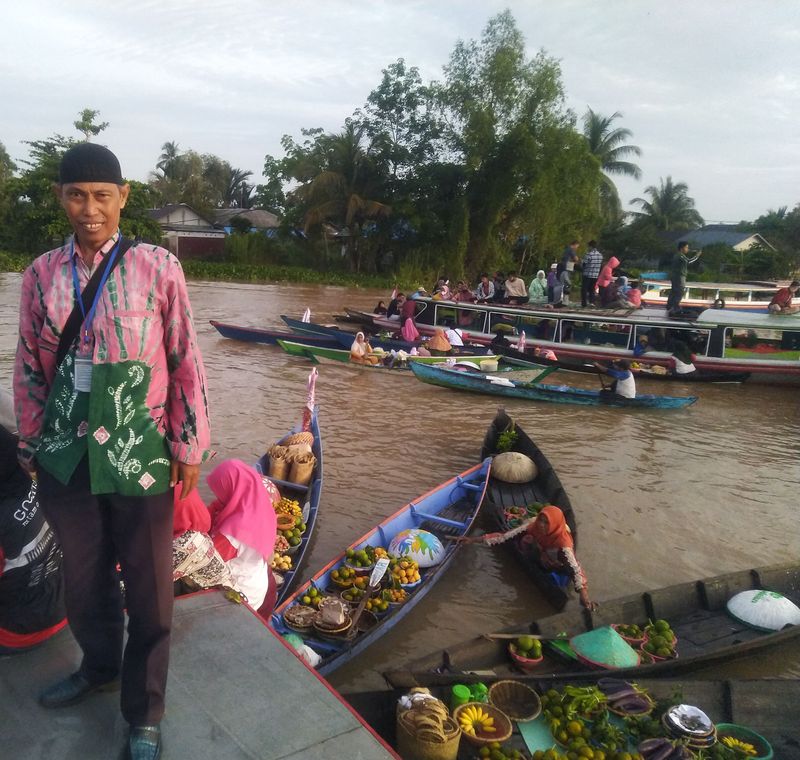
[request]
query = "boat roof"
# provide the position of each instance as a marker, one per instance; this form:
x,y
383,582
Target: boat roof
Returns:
x,y
236,691
733,318
745,287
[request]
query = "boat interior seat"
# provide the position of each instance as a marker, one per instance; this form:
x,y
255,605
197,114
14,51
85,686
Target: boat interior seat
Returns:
x,y
514,494
450,521
785,580
674,602
704,631
716,592
631,609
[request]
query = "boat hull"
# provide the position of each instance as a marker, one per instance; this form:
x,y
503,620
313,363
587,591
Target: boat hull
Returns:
x,y
706,634
563,394
546,488
309,496
449,510
269,337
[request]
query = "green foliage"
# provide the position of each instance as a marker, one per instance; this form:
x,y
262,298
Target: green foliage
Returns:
x,y
135,221
669,207
86,124
507,439
14,262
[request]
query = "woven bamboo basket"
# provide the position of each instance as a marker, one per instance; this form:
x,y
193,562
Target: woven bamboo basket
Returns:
x,y
412,747
517,700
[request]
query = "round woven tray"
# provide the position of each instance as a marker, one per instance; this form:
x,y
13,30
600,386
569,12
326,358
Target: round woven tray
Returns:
x,y
502,723
517,700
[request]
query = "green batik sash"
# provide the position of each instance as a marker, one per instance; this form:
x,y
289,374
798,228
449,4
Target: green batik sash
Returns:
x,y
128,455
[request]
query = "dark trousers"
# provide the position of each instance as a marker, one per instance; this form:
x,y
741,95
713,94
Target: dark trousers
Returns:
x,y
588,285
95,533
675,294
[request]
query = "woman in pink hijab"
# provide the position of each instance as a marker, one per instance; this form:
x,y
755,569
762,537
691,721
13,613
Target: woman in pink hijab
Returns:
x,y
244,527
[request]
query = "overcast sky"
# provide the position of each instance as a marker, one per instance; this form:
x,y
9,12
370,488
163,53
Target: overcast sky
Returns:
x,y
710,88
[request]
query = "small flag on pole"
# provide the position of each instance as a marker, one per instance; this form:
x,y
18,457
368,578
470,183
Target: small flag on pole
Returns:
x,y
521,341
306,316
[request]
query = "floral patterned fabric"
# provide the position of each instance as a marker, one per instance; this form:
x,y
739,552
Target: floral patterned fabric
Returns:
x,y
147,403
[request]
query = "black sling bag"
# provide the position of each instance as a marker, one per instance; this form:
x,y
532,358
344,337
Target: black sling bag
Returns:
x,y
75,319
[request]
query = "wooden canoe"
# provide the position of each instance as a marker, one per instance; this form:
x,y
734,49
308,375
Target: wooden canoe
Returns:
x,y
706,633
269,337
309,496
770,706
536,391
342,355
546,488
449,510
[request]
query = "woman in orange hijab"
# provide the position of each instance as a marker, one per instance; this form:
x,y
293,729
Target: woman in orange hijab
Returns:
x,y
549,532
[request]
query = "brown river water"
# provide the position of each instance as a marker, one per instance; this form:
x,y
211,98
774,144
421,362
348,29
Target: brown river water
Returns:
x,y
661,497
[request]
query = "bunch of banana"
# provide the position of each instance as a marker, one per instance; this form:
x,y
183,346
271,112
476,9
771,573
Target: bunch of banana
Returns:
x,y
289,507
473,719
430,721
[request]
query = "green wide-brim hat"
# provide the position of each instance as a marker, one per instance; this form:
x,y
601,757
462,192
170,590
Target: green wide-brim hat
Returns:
x,y
604,647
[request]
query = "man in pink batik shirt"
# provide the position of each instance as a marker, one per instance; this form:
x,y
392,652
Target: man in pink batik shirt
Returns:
x,y
111,416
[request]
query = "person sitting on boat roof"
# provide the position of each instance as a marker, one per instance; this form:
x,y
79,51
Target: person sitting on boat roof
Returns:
x,y
420,292
537,290
463,295
550,534
380,309
485,290
605,281
441,291
499,287
31,583
395,305
634,295
682,359
624,384
680,268
361,351
554,286
516,291
781,302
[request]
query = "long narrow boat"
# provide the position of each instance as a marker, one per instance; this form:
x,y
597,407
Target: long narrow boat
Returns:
x,y
765,345
309,496
545,488
270,337
447,511
736,296
644,370
706,633
343,355
313,328
770,706
536,391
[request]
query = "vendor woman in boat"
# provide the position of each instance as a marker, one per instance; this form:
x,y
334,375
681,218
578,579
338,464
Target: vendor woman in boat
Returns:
x,y
361,351
550,534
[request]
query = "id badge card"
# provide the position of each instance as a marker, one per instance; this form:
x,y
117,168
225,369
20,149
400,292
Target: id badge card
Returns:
x,y
83,374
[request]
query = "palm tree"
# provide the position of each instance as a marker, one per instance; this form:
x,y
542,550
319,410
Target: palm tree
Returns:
x,y
340,192
167,161
669,207
606,145
238,189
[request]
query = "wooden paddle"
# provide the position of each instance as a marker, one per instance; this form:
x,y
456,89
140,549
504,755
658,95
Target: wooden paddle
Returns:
x,y
374,584
511,636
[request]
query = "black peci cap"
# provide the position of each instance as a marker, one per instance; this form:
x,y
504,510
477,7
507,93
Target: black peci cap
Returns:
x,y
87,162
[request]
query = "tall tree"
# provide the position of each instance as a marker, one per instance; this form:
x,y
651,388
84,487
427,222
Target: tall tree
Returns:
x,y
86,124
168,160
607,145
341,192
508,124
669,207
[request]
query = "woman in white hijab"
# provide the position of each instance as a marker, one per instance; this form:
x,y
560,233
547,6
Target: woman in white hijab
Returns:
x,y
537,290
361,351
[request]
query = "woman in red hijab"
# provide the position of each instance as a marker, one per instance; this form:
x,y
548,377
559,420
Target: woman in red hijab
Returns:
x,y
551,535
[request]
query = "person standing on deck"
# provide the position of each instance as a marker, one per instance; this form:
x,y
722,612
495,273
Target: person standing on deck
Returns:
x,y
592,262
680,268
110,396
569,260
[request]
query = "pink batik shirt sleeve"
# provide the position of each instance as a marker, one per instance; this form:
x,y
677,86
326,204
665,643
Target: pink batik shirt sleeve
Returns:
x,y
188,430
